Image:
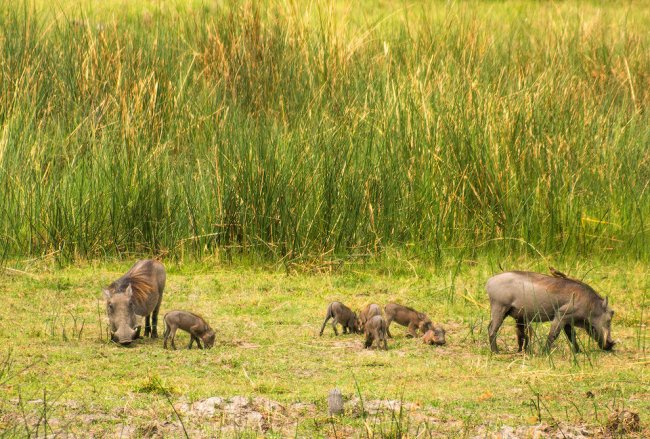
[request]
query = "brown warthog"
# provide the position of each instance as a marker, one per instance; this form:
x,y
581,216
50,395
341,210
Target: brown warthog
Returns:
x,y
375,329
138,293
406,316
435,336
533,297
192,323
343,315
366,313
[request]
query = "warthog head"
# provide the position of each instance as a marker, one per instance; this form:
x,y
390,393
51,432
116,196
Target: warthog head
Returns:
x,y
357,326
425,324
435,336
208,338
121,315
601,325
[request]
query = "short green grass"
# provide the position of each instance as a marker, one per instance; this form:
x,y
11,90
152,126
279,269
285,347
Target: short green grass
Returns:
x,y
267,321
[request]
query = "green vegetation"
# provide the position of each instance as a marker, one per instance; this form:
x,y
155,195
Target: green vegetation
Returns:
x,y
296,129
267,326
378,151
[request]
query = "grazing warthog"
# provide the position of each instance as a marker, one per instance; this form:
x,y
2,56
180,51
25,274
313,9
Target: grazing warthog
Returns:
x,y
343,315
192,323
435,336
406,316
534,297
366,313
138,293
376,329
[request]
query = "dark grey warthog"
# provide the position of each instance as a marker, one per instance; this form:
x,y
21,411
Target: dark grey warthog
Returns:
x,y
533,297
138,293
192,323
435,336
343,315
375,329
366,313
409,317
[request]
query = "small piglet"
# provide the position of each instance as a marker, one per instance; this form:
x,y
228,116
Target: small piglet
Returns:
x,y
375,329
435,336
343,315
192,323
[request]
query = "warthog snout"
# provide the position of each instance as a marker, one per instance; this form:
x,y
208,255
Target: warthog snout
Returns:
x,y
125,336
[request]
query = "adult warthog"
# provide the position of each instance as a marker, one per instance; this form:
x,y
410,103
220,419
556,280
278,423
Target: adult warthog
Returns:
x,y
534,297
138,293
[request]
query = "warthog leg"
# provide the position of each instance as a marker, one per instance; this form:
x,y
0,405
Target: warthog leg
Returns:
x,y
389,320
524,332
193,339
412,330
154,321
147,326
170,333
368,342
570,332
334,323
556,326
498,314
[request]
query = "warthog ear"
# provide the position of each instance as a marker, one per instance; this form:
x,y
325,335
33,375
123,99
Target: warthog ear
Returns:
x,y
129,291
107,293
605,302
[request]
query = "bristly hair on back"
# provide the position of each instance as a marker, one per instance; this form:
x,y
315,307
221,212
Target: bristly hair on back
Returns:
x,y
140,279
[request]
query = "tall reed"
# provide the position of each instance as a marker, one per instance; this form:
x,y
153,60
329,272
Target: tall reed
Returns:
x,y
287,130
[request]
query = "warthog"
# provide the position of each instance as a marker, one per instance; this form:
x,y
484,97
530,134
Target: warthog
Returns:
x,y
435,336
192,323
376,329
366,313
409,317
534,297
138,293
343,315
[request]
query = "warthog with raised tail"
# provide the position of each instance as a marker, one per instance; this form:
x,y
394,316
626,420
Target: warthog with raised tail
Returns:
x,y
533,297
343,315
138,293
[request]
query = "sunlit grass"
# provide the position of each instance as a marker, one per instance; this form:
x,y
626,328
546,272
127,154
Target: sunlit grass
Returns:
x,y
291,131
267,325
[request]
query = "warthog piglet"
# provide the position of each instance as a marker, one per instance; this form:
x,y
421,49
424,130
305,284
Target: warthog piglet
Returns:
x,y
194,324
375,329
343,315
409,317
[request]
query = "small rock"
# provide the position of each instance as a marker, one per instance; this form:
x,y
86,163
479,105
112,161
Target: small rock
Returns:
x,y
335,402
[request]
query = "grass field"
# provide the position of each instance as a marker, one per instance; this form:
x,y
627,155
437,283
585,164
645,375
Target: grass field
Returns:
x,y
267,346
278,155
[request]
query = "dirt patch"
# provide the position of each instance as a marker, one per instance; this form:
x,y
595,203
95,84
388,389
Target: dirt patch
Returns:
x,y
623,422
240,413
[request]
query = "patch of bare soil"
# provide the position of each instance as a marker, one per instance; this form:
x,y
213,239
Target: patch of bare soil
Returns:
x,y
240,413
621,423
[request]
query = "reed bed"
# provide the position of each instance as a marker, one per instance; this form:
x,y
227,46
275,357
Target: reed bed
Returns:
x,y
285,130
